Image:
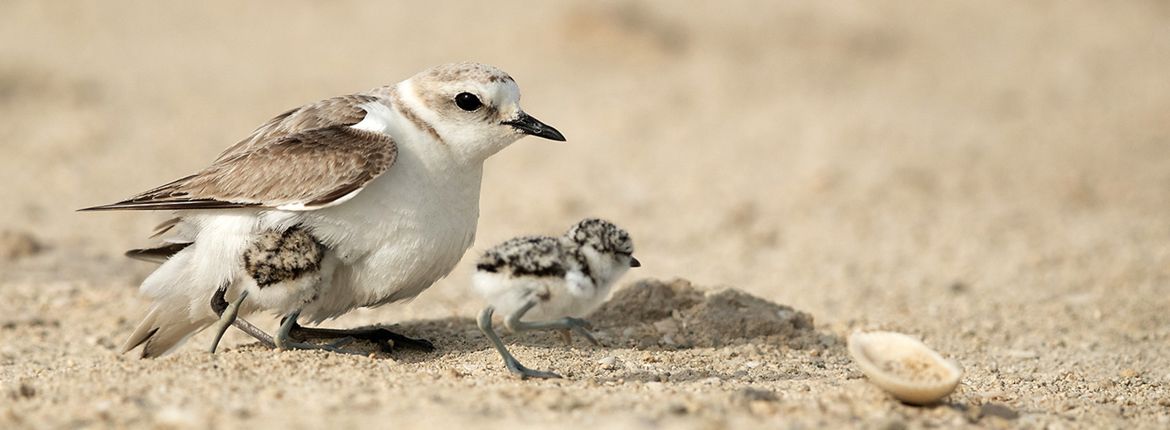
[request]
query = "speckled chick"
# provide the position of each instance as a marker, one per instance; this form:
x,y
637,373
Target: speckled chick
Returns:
x,y
542,282
284,269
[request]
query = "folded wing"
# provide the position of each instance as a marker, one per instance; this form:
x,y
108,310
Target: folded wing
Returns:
x,y
286,164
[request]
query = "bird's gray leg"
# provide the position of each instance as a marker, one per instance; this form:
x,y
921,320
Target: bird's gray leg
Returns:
x,y
577,325
283,339
227,314
219,305
485,325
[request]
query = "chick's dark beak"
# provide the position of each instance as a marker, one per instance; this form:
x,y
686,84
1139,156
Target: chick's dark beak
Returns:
x,y
634,262
526,124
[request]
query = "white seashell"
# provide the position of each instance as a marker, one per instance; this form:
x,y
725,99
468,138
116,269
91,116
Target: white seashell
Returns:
x,y
904,366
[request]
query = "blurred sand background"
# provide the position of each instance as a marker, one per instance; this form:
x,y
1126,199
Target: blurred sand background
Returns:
x,y
993,177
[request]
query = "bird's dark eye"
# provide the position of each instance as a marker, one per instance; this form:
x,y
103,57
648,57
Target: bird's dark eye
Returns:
x,y
467,101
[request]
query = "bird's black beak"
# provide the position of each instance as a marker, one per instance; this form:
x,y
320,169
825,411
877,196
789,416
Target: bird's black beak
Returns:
x,y
634,262
529,125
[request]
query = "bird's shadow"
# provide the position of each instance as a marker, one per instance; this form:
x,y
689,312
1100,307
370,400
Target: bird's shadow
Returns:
x,y
459,335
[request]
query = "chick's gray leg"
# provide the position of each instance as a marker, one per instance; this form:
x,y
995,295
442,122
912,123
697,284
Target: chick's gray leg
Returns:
x,y
227,314
255,332
513,365
577,325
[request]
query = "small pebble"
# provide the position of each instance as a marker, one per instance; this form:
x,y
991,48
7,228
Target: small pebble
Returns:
x,y
608,363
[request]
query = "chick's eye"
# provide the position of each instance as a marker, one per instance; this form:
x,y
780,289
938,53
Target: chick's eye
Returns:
x,y
467,101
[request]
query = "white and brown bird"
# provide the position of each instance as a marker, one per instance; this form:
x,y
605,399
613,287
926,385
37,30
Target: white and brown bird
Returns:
x,y
543,282
352,201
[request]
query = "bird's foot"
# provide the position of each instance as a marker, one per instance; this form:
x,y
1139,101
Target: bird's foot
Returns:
x,y
525,373
386,340
335,347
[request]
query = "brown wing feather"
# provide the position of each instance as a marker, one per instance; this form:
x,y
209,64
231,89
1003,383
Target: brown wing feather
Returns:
x,y
311,168
341,110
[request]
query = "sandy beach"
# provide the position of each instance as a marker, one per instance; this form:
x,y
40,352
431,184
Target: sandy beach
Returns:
x,y
990,177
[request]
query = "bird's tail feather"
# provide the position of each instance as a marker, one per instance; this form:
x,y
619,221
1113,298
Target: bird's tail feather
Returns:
x,y
179,309
158,254
164,328
206,259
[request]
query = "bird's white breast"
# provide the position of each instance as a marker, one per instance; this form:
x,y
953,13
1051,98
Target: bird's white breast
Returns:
x,y
407,229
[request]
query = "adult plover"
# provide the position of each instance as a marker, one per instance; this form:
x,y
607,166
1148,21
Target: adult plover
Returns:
x,y
541,282
352,201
